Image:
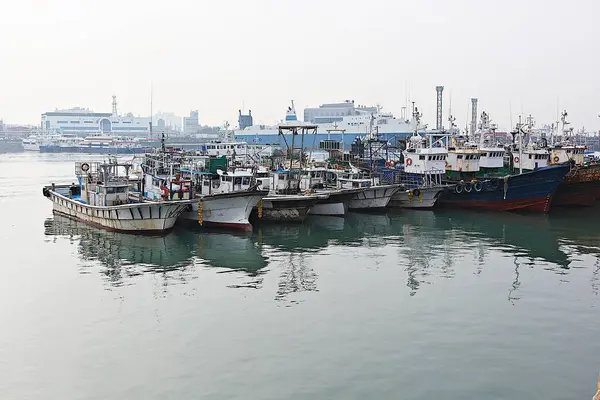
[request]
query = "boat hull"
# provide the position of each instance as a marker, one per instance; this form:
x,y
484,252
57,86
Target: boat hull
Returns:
x,y
227,210
147,217
336,204
580,187
373,197
332,209
284,208
530,191
427,198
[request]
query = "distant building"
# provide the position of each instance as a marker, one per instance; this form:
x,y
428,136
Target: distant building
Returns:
x,y
245,121
85,121
172,121
191,125
160,124
334,112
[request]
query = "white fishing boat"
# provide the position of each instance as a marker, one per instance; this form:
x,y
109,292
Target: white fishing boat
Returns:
x,y
421,174
218,196
371,195
333,202
101,198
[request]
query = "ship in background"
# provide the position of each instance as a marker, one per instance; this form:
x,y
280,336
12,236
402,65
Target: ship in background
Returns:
x,y
340,122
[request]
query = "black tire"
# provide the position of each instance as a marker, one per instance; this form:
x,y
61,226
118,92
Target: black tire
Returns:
x,y
468,187
459,188
416,192
478,186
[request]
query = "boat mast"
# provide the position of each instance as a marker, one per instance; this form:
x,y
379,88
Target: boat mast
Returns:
x,y
521,145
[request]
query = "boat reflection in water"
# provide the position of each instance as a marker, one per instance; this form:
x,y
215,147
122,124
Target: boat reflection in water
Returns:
x,y
426,245
178,252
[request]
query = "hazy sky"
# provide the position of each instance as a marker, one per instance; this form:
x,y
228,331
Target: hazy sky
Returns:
x,y
215,56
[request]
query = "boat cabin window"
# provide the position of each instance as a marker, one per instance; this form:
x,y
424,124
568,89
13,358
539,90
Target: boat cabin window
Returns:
x,y
421,157
206,183
282,177
228,178
246,181
237,180
118,189
459,156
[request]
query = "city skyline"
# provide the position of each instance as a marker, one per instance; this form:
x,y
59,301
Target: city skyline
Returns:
x,y
218,57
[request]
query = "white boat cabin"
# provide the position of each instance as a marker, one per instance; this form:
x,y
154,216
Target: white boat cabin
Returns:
x,y
562,154
463,159
222,182
100,184
425,160
491,157
532,159
354,179
313,177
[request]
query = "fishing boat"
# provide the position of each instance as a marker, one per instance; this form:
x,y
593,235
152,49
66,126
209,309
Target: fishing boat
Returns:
x,y
581,186
101,198
370,195
521,190
422,172
332,202
217,196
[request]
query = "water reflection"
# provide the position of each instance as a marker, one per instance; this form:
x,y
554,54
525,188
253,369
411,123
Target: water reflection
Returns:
x,y
180,251
426,244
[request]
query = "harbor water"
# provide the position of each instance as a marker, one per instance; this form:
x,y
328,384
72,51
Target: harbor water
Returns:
x,y
396,305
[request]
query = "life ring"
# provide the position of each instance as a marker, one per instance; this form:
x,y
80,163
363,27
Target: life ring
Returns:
x,y
387,164
478,186
416,192
556,159
516,159
468,187
409,161
459,188
85,167
392,164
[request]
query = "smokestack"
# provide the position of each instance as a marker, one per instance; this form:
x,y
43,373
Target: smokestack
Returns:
x,y
438,123
473,115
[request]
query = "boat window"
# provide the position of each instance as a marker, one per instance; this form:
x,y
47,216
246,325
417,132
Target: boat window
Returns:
x,y
485,154
282,177
246,181
237,180
459,156
530,156
206,183
228,179
421,157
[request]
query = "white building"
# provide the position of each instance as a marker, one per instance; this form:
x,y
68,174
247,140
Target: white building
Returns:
x,y
84,121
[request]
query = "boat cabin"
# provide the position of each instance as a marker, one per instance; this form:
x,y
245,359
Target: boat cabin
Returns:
x,y
101,184
491,158
425,160
313,178
561,154
463,160
532,159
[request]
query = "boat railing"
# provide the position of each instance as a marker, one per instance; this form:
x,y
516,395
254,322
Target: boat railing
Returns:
x,y
430,178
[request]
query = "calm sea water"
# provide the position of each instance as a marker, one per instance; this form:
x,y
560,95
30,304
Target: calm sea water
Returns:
x,y
404,305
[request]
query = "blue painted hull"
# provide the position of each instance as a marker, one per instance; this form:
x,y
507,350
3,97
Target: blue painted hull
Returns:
x,y
530,191
94,150
312,140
